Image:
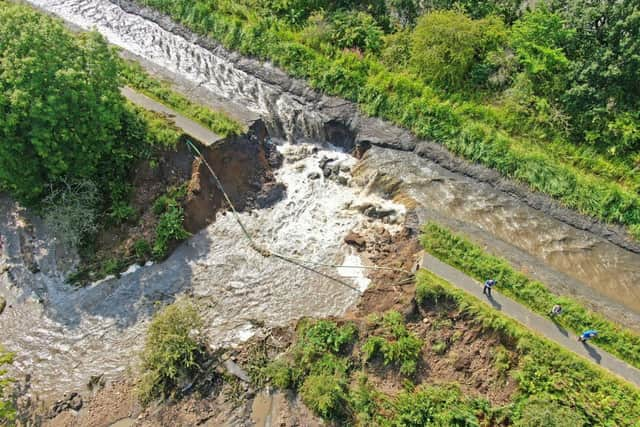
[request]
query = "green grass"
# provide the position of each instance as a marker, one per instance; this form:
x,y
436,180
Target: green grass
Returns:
x,y
471,259
586,181
546,370
132,74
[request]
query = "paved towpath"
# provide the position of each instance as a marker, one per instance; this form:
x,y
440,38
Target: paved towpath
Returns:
x,y
533,321
188,126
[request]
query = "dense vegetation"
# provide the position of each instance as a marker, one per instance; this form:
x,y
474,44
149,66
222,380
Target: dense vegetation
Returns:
x,y
549,96
470,258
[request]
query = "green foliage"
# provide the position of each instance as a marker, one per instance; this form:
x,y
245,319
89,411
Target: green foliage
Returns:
x,y
397,345
280,374
7,409
61,109
520,133
471,259
322,336
433,406
325,395
445,45
355,30
141,249
174,350
538,39
169,229
439,347
547,369
544,411
120,212
364,400
132,74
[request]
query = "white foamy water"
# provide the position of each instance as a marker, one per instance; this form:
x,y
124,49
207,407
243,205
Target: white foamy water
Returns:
x,y
62,336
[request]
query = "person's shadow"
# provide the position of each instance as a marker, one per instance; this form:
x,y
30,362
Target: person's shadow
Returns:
x,y
494,303
562,330
593,353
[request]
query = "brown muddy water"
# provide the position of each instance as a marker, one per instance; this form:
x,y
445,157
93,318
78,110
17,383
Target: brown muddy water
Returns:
x,y
63,336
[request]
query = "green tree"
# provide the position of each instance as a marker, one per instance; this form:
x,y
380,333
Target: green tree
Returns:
x,y
446,44
60,106
539,39
356,30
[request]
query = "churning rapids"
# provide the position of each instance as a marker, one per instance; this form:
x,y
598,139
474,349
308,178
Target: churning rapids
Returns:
x,y
63,336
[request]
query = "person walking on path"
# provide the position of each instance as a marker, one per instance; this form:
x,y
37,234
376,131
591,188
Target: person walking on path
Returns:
x,y
487,287
555,311
587,335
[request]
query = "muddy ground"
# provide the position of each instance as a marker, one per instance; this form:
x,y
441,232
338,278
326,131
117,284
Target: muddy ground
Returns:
x,y
454,351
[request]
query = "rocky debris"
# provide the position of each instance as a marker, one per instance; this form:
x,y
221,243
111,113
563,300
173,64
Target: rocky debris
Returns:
x,y
354,239
314,175
236,370
71,401
3,304
273,156
463,363
271,193
332,170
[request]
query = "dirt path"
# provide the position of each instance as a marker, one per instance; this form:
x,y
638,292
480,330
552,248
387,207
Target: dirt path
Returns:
x,y
533,321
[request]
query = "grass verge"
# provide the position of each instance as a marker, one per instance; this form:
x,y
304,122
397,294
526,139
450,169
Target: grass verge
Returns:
x,y
133,75
471,259
546,370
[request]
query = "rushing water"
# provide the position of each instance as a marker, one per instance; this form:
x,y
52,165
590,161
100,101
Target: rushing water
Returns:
x,y
73,334
68,335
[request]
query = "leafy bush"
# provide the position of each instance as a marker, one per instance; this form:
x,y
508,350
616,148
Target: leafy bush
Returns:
x,y
356,30
169,229
471,259
325,395
317,338
446,44
279,373
398,346
433,405
544,411
141,249
174,350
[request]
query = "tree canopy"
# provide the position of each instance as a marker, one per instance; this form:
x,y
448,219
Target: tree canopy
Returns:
x,y
60,106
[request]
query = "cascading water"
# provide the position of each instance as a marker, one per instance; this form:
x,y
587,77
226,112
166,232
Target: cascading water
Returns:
x,y
70,335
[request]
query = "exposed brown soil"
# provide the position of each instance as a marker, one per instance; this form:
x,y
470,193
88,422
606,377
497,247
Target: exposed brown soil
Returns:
x,y
244,164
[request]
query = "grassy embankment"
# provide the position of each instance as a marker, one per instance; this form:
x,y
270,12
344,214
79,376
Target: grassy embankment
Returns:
x,y
471,259
474,126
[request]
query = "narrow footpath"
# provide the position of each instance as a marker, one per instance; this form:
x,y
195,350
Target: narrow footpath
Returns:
x,y
188,126
533,321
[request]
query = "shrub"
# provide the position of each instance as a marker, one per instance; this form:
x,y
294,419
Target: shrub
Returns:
x,y
319,337
174,350
141,249
446,44
71,211
325,395
544,411
433,405
279,373
169,230
355,30
397,346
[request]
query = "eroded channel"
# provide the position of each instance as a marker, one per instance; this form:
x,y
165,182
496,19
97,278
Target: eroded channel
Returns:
x,y
63,336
